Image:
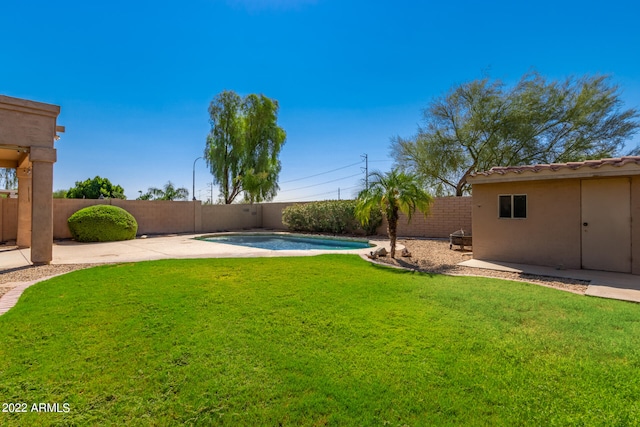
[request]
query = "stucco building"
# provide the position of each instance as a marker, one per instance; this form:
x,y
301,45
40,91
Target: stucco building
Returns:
x,y
569,215
27,134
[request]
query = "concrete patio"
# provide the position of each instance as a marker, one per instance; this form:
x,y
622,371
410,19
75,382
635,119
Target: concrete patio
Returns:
x,y
601,284
152,248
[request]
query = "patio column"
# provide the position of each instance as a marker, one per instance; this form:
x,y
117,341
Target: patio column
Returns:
x,y
23,239
42,159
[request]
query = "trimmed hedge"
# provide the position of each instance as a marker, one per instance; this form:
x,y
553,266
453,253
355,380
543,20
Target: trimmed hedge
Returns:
x,y
332,216
102,223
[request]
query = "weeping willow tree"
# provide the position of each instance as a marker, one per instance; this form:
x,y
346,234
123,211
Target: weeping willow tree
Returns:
x,y
243,146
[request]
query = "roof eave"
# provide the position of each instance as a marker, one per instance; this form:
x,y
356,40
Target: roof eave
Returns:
x,y
630,169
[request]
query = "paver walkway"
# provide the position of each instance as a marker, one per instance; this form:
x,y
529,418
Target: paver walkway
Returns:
x,y
10,299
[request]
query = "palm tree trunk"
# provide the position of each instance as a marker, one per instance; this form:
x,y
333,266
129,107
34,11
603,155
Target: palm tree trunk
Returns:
x,y
392,229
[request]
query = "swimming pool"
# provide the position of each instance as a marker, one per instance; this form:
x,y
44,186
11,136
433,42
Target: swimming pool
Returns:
x,y
284,242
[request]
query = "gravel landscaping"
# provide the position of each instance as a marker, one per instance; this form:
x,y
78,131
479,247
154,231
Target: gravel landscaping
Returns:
x,y
434,256
10,278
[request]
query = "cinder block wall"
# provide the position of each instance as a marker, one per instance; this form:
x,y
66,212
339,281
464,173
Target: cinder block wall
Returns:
x,y
64,208
238,217
153,217
447,214
272,215
231,217
161,216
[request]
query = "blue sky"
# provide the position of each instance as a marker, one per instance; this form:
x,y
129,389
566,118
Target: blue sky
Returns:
x,y
134,78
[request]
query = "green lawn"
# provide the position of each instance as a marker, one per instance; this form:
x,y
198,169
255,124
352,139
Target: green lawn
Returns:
x,y
328,340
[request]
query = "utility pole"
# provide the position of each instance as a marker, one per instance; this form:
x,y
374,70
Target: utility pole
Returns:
x,y
366,170
210,184
338,193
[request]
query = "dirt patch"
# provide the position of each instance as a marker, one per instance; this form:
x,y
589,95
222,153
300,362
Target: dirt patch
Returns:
x,y
434,256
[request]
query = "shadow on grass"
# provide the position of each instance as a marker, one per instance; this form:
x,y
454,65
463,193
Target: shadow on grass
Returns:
x,y
402,267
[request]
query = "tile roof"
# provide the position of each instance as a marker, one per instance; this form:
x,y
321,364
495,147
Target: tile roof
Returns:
x,y
553,167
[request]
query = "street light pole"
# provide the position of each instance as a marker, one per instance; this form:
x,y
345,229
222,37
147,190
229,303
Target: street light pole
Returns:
x,y
194,178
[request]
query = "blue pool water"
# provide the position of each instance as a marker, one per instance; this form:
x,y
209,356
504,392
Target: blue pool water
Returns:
x,y
280,242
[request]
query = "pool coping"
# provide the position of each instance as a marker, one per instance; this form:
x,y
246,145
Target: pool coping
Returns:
x,y
373,245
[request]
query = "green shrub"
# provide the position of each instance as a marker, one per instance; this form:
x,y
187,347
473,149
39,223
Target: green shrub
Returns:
x,y
332,216
102,223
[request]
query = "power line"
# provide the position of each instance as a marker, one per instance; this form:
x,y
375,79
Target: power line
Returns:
x,y
318,194
322,183
209,187
306,197
321,173
308,186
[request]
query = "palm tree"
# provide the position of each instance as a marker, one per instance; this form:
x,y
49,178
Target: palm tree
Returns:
x,y
168,192
392,193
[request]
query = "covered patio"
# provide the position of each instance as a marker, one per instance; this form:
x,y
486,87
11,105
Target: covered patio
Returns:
x,y
28,130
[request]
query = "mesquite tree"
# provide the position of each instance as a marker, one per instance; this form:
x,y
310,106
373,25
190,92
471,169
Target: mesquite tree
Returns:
x,y
483,123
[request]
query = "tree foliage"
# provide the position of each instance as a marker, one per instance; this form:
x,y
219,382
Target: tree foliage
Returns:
x,y
8,179
392,193
243,146
94,188
483,123
168,192
60,194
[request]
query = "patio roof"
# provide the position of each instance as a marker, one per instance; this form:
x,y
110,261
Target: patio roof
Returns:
x,y
28,130
619,166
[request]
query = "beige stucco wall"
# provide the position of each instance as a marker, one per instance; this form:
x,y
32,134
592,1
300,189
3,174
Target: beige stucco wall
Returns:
x,y
27,123
635,225
550,235
447,214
